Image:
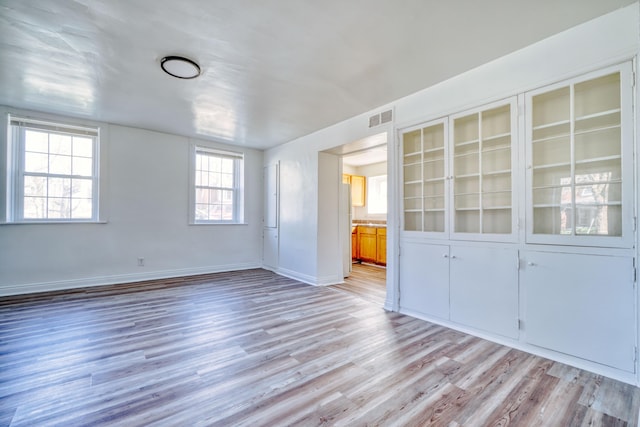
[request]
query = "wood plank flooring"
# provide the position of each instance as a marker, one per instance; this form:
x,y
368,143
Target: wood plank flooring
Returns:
x,y
366,281
252,348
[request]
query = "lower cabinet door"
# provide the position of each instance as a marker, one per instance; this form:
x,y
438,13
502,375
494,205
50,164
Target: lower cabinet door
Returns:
x,y
484,289
424,279
582,305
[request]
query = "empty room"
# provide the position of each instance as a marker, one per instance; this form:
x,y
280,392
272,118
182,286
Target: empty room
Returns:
x,y
297,213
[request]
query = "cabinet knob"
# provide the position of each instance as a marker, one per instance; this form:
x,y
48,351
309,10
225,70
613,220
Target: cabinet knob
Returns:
x,y
445,255
531,264
453,256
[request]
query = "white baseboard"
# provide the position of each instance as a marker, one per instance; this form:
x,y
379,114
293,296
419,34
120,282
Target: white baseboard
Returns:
x,y
616,374
29,288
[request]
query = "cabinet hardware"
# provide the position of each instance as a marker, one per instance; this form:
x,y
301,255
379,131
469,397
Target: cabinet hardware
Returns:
x,y
453,256
445,256
531,264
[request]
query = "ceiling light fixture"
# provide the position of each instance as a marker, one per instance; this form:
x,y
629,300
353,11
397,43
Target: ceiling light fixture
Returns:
x,y
180,67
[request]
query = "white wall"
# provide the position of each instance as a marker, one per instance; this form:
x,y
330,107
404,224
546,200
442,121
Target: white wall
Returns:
x,y
147,203
606,40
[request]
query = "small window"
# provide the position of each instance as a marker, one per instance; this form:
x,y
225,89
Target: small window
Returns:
x,y
217,186
54,172
377,194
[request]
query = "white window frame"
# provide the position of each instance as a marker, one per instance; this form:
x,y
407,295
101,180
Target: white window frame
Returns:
x,y
237,188
16,126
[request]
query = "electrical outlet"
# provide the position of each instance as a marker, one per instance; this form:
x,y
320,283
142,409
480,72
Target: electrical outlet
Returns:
x,y
140,262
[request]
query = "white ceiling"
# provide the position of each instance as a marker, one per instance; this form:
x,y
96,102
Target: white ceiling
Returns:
x,y
272,70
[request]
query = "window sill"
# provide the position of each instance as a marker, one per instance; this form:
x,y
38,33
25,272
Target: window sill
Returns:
x,y
218,223
50,222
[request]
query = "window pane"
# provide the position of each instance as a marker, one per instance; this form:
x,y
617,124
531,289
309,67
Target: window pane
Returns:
x,y
36,141
227,212
35,207
214,164
202,195
81,209
82,166
227,180
58,208
82,147
60,144
35,186
202,212
227,166
36,162
81,188
60,165
214,179
59,187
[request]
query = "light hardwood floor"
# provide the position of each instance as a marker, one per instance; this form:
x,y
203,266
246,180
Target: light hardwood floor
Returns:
x,y
366,281
252,348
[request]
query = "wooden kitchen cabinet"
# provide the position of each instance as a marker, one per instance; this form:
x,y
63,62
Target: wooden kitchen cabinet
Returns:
x,y
355,253
381,246
367,241
358,190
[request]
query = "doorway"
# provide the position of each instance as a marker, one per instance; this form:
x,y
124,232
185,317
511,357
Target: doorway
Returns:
x,y
363,217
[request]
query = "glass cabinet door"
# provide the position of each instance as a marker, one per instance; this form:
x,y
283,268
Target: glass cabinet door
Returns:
x,y
482,165
577,159
424,178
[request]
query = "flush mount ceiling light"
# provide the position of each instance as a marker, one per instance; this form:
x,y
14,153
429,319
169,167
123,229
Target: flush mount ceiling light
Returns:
x,y
180,67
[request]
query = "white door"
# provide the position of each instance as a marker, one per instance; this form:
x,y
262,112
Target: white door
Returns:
x,y
270,237
582,305
424,279
484,288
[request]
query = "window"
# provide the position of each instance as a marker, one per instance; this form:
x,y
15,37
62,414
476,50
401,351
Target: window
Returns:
x,y
377,195
54,172
217,189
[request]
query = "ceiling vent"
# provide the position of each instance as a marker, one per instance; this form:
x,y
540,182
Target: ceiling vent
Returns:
x,y
381,118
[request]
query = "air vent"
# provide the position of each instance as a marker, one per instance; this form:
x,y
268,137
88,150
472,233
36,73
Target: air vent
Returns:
x,y
381,118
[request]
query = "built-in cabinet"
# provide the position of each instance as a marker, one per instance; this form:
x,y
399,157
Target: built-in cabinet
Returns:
x,y
358,188
370,244
518,220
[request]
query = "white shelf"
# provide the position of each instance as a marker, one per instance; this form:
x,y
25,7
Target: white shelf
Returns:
x,y
552,166
598,159
434,210
416,153
498,172
498,136
550,125
597,115
496,148
467,176
582,132
548,138
434,179
496,208
433,150
475,193
465,143
419,181
470,153
467,209
599,204
419,163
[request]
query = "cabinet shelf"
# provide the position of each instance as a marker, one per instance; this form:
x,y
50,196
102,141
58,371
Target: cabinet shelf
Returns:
x,y
466,143
413,210
598,204
472,193
418,163
466,154
598,159
494,137
549,138
599,114
433,150
550,125
552,165
496,208
587,131
434,179
467,209
434,210
467,176
498,172
415,153
412,197
496,148
433,159
419,181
